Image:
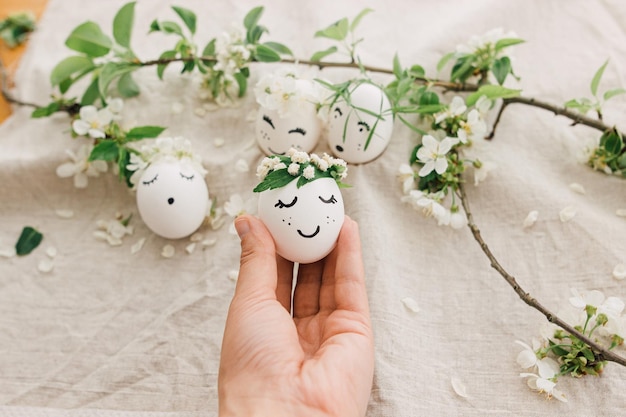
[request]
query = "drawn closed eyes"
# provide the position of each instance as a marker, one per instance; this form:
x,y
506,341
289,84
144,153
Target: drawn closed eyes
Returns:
x,y
331,200
150,181
188,178
267,119
280,204
298,130
338,110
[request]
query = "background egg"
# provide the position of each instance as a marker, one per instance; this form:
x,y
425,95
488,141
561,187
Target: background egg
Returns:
x,y
349,128
304,222
172,199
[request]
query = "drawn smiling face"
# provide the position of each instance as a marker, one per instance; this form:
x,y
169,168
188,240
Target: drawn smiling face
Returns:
x,y
304,222
300,130
172,199
355,135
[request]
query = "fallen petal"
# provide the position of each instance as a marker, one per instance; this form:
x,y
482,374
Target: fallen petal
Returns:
x,y
64,214
7,252
233,274
45,265
137,246
531,219
177,107
619,272
209,242
190,248
168,251
242,166
577,188
219,142
567,214
51,251
459,387
411,304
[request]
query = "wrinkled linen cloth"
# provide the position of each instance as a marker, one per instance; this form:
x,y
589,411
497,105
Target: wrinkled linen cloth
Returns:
x,y
109,333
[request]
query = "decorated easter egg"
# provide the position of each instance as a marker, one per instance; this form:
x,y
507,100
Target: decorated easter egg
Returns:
x,y
300,129
361,131
301,205
172,198
304,222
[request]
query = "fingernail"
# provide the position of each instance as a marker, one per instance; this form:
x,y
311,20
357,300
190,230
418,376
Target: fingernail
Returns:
x,y
242,226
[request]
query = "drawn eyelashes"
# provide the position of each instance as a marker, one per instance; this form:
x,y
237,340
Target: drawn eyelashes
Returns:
x,y
363,124
298,130
338,110
151,181
280,204
188,178
331,200
268,120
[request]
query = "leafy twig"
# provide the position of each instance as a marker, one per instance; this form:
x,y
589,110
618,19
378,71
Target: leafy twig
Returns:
x,y
601,353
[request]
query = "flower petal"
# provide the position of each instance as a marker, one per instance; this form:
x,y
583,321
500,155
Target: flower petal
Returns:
x,y
66,170
411,304
459,387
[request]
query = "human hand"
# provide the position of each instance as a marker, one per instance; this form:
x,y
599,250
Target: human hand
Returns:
x,y
318,362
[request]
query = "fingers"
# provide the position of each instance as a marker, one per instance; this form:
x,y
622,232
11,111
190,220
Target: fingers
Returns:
x,y
350,291
262,273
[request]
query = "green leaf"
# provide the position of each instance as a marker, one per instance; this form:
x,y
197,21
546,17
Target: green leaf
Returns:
x,y
397,68
111,71
167,27
127,86
358,18
161,67
588,354
89,39
614,92
463,68
274,179
45,111
144,132
428,98
123,24
122,162
444,60
597,77
506,42
417,71
29,239
337,31
70,66
319,55
242,82
279,47
501,68
252,18
612,142
263,53
187,16
107,150
209,49
492,92
91,94
255,34
621,161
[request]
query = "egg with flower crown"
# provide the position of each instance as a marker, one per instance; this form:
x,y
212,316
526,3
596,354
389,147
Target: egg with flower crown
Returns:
x,y
287,116
300,203
172,196
361,124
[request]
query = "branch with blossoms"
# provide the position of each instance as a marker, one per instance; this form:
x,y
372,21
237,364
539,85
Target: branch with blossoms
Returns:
x,y
451,135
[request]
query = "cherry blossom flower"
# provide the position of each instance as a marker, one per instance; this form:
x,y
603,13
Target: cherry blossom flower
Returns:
x,y
237,206
432,154
456,108
92,122
406,176
486,41
481,172
472,129
544,380
80,167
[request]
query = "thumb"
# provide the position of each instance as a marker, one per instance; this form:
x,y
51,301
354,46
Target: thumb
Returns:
x,y
257,270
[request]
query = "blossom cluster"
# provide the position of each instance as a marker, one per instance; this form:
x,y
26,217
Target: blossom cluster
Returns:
x,y
163,149
558,353
286,92
278,170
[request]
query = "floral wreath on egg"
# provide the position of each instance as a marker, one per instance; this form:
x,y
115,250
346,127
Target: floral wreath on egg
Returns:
x,y
451,136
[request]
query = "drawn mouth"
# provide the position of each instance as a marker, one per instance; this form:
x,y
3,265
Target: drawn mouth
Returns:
x,y
317,230
274,152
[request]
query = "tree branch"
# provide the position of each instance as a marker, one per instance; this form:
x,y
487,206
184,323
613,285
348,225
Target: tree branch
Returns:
x,y
600,352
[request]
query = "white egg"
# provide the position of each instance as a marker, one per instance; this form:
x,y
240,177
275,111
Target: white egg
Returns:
x,y
355,135
172,198
304,222
300,128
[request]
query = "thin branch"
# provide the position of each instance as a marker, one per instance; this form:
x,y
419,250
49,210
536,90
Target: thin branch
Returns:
x,y
601,353
4,86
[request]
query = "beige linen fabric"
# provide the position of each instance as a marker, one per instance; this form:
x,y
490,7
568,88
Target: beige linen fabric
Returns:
x,y
110,334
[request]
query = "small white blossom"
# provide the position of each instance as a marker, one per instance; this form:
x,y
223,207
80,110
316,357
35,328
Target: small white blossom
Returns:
x,y
472,129
481,173
406,176
113,231
485,42
92,122
432,154
80,167
456,108
457,220
548,370
294,169
237,206
242,166
308,172
483,105
115,106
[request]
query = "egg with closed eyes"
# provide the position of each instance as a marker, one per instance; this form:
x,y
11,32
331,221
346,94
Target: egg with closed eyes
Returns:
x,y
172,199
359,132
304,221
